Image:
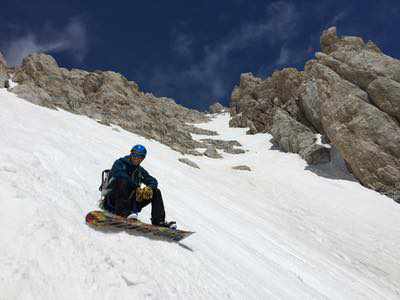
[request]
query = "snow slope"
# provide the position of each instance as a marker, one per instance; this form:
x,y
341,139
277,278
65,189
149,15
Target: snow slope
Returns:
x,y
280,231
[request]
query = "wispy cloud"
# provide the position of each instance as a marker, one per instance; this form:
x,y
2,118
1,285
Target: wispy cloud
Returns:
x,y
284,56
277,26
72,38
181,43
338,17
287,56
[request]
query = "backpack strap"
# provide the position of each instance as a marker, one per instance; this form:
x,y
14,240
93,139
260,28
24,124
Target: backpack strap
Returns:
x,y
104,179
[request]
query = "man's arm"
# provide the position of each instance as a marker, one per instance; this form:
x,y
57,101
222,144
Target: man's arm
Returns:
x,y
148,179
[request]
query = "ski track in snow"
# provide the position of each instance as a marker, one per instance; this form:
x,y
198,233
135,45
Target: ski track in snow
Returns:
x,y
277,232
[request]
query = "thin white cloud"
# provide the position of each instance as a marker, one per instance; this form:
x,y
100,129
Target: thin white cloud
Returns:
x,y
181,43
73,38
338,17
284,56
277,26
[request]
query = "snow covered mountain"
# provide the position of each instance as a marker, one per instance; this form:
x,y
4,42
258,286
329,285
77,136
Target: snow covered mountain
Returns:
x,y
279,231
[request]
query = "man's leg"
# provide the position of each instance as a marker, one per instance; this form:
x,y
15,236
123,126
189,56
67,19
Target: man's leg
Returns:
x,y
157,207
119,197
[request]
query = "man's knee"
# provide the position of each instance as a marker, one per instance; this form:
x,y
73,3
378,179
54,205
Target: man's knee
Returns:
x,y
156,193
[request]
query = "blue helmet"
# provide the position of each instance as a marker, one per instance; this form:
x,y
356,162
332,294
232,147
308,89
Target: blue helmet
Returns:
x,y
138,151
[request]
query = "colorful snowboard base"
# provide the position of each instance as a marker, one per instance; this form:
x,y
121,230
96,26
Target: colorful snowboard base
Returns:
x,y
106,220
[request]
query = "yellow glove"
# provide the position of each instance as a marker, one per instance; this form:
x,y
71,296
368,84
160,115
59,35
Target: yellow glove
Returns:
x,y
145,193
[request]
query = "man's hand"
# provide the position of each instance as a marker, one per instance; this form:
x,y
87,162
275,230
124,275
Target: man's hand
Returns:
x,y
145,193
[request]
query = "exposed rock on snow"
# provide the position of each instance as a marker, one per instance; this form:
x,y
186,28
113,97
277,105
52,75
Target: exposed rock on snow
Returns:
x,y
110,98
350,94
242,168
212,152
216,108
238,121
226,146
201,131
189,162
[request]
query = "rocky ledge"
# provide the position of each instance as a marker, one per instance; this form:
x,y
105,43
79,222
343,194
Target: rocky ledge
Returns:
x,y
107,97
349,94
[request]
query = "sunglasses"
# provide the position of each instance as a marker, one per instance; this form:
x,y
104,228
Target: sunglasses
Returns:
x,y
135,155
137,158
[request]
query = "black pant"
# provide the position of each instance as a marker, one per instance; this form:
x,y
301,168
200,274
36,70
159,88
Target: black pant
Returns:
x,y
122,201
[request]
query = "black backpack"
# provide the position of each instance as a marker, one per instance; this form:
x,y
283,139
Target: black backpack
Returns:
x,y
105,176
104,179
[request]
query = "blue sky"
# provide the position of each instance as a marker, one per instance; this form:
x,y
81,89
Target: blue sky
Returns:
x,y
192,51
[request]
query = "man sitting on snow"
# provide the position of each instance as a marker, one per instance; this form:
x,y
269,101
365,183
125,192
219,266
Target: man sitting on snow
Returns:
x,y
124,195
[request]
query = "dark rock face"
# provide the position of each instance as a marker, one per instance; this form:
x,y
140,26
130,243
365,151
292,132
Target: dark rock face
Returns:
x,y
350,94
253,102
356,115
110,98
34,94
367,138
292,136
385,94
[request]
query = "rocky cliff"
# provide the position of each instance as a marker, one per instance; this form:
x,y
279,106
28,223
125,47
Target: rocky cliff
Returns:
x,y
350,94
109,98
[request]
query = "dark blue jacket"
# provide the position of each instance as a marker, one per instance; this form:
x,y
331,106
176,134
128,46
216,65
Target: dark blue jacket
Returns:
x,y
123,168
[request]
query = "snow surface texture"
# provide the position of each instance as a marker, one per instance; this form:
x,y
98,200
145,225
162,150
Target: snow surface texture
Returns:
x,y
279,231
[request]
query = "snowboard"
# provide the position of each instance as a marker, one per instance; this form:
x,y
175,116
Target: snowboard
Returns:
x,y
106,220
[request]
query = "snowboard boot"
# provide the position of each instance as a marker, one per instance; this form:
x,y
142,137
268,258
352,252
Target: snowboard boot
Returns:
x,y
132,216
170,225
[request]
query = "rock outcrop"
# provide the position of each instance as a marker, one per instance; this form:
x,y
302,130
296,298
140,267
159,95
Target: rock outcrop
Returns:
x,y
350,93
292,136
216,108
2,60
212,152
368,139
359,116
3,71
110,98
241,168
385,94
226,146
254,101
356,61
188,162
